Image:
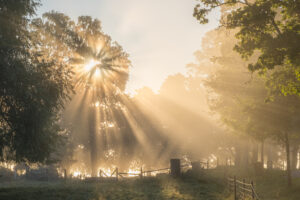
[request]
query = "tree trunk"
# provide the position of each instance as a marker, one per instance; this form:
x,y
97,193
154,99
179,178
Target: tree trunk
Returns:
x,y
93,142
294,155
245,154
237,156
262,153
254,153
269,157
288,163
298,157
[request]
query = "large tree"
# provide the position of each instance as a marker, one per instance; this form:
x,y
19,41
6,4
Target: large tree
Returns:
x,y
268,27
32,91
239,97
101,72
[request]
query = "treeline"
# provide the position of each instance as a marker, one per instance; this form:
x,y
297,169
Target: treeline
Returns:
x,y
254,73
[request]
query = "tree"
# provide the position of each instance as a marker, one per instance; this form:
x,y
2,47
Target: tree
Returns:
x,y
31,93
281,117
101,72
239,97
268,27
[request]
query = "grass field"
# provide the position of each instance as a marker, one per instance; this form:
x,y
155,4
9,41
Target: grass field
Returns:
x,y
148,188
272,185
209,185
269,185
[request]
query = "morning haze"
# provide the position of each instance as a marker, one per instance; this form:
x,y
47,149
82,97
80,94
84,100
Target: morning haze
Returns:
x,y
194,99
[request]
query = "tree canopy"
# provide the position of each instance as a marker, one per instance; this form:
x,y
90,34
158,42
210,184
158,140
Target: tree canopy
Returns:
x,y
32,91
238,96
267,28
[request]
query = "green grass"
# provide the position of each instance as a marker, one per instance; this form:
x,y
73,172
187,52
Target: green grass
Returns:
x,y
270,185
208,185
187,187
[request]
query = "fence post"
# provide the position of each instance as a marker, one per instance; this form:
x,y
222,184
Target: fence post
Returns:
x,y
175,167
141,172
244,187
252,189
234,179
100,173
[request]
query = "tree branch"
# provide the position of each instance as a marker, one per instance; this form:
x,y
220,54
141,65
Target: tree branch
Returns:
x,y
276,27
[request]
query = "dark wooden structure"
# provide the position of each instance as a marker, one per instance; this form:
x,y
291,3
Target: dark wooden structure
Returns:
x,y
175,167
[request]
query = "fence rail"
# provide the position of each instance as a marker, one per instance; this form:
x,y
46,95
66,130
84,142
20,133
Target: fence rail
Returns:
x,y
175,170
241,189
143,173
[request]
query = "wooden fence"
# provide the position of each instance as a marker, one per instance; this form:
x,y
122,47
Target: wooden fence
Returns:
x,y
142,173
241,189
174,170
175,167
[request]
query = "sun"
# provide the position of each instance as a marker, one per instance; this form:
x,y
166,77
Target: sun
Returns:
x,y
90,66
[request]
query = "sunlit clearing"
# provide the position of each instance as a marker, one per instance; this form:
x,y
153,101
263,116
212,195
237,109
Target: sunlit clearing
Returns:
x,y
8,165
76,173
79,173
133,172
106,172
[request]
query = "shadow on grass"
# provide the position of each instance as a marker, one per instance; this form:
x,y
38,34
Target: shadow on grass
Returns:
x,y
164,188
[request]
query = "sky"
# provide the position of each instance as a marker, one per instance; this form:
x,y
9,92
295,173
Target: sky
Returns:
x,y
160,35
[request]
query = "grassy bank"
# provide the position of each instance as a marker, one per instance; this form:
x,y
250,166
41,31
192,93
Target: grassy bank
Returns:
x,y
187,187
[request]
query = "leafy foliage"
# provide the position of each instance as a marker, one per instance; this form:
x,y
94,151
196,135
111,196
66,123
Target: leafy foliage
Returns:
x,y
32,91
238,96
268,27
99,89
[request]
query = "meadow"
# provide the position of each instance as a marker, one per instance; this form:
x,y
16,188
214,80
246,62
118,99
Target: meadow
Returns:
x,y
162,187
206,185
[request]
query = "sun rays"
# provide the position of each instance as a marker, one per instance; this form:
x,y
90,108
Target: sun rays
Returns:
x,y
101,117
93,67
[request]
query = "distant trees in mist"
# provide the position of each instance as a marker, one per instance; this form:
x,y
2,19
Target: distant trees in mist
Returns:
x,y
261,107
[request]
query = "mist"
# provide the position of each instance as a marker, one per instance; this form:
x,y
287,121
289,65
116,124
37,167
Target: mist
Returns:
x,y
90,118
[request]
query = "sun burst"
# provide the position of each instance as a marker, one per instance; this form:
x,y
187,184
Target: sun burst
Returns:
x,y
91,65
